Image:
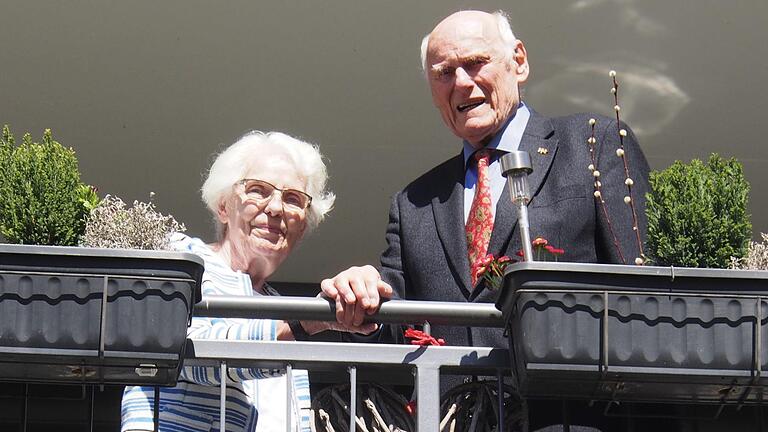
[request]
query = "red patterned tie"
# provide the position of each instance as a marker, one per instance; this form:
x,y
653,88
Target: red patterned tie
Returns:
x,y
480,220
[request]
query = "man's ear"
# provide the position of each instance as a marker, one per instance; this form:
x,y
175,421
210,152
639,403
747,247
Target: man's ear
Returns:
x,y
520,62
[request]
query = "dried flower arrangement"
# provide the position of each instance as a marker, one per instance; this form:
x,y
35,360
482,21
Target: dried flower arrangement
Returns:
x,y
756,257
113,225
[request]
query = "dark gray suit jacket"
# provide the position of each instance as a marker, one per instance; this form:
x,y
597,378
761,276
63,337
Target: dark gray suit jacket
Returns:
x,y
426,255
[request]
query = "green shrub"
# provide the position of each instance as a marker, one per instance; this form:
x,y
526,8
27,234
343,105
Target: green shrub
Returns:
x,y
697,214
42,200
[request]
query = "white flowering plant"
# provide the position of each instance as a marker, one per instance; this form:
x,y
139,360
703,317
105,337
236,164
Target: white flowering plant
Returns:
x,y
114,225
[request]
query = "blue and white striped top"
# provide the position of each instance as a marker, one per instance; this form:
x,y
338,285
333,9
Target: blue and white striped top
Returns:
x,y
193,405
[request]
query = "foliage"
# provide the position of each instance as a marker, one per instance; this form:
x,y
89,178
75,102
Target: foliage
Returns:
x,y
491,270
112,225
697,214
42,200
756,257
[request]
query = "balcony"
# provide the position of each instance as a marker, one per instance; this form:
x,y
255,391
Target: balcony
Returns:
x,y
26,408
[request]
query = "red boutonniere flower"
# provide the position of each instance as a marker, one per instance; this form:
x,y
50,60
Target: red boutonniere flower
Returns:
x,y
491,269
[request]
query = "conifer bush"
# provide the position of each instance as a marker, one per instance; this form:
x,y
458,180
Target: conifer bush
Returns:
x,y
42,200
697,214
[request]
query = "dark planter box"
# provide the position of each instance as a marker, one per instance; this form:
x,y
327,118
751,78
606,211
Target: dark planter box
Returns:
x,y
667,334
95,315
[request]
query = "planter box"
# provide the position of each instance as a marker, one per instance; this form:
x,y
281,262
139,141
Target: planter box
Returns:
x,y
653,334
95,315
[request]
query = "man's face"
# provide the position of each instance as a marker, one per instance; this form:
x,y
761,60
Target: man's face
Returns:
x,y
473,77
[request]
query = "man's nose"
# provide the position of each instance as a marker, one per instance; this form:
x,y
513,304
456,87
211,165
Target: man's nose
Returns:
x,y
463,79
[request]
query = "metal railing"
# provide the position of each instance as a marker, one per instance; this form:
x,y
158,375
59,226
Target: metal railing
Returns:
x,y
319,309
424,362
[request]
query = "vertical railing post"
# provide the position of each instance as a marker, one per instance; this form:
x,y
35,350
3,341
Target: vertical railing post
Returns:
x,y
352,398
223,397
289,396
427,398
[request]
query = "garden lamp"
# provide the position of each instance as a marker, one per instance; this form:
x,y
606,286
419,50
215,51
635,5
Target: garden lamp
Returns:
x,y
515,166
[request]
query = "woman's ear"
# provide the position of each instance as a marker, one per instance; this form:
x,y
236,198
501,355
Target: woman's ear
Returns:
x,y
222,214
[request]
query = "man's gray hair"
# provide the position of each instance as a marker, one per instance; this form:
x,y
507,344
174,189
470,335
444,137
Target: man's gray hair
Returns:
x,y
505,30
234,163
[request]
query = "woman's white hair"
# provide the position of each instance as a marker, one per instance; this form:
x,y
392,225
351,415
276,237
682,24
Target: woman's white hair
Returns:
x,y
505,30
234,163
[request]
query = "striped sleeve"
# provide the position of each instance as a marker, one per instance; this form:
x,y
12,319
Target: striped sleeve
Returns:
x,y
219,279
229,329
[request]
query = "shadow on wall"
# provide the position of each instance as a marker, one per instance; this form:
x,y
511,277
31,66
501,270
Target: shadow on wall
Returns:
x,y
628,15
649,99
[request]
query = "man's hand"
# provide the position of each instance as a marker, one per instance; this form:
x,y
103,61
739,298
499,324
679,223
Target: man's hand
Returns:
x,y
358,292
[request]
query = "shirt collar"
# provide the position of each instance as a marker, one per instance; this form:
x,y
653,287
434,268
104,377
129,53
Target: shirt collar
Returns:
x,y
508,139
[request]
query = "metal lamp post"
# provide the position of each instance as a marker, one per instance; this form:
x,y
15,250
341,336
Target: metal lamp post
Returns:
x,y
516,166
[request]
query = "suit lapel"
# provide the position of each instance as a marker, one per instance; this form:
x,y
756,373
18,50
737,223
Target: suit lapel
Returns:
x,y
448,204
448,210
538,135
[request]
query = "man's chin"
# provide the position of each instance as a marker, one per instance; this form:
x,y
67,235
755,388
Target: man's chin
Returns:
x,y
476,129
478,139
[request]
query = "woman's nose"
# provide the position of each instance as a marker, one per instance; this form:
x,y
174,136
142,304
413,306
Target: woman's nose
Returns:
x,y
274,205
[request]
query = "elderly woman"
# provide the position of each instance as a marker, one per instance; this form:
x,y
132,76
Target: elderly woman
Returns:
x,y
265,192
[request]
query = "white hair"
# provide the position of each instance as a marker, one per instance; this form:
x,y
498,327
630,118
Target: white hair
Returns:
x,y
233,164
505,30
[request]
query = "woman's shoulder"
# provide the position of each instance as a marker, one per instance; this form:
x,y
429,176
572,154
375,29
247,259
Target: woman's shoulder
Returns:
x,y
218,278
183,243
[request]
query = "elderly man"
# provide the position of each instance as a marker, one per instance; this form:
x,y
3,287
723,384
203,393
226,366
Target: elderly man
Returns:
x,y
475,67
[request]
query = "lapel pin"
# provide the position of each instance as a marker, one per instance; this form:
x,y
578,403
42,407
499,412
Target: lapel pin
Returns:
x,y
543,150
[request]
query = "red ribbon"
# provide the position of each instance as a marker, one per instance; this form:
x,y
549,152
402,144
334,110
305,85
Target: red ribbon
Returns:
x,y
410,408
420,338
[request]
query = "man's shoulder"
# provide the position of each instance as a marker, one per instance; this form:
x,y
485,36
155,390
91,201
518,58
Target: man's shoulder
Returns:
x,y
441,177
579,121
567,128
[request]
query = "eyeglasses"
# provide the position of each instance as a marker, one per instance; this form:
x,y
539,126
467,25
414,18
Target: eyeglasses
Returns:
x,y
261,191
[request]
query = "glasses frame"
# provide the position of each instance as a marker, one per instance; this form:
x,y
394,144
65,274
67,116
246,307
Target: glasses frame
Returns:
x,y
242,183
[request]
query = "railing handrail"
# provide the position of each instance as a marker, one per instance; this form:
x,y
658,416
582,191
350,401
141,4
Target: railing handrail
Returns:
x,y
320,309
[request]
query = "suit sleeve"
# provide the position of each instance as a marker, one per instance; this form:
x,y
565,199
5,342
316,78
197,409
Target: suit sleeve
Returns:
x,y
619,224
393,273
392,268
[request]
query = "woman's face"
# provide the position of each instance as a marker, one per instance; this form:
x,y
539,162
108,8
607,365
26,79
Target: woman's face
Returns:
x,y
266,228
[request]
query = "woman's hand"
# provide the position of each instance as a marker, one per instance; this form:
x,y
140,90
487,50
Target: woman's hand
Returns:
x,y
358,292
